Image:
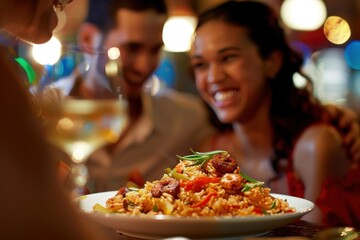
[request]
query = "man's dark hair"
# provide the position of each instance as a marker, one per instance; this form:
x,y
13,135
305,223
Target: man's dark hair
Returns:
x,y
158,6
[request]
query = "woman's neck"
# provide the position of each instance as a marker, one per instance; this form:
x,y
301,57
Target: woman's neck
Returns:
x,y
251,146
255,136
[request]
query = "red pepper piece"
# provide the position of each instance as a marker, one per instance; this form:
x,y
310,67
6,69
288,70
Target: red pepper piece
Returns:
x,y
206,200
198,183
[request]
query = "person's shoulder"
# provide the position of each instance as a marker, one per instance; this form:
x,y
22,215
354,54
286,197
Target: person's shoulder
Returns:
x,y
181,111
179,101
320,133
177,96
319,144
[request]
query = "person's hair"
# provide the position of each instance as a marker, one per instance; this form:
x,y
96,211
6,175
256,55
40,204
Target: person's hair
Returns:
x,y
159,6
292,108
97,13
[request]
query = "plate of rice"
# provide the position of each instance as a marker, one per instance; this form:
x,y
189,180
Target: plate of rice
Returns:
x,y
205,196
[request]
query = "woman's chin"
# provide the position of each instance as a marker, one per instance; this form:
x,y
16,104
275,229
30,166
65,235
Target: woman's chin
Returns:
x,y
43,40
224,118
38,40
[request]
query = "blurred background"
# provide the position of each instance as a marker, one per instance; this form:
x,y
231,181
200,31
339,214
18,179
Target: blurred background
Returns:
x,y
326,32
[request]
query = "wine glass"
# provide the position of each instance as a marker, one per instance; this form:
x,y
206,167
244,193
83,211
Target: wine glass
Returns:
x,y
79,125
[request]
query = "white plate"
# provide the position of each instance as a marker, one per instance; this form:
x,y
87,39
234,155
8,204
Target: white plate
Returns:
x,y
156,227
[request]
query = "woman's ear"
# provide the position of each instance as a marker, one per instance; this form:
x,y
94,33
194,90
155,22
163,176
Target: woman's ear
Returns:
x,y
273,64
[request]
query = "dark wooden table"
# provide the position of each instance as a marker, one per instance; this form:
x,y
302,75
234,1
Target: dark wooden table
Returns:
x,y
297,228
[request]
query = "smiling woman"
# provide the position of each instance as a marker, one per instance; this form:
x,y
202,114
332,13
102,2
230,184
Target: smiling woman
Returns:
x,y
281,134
33,203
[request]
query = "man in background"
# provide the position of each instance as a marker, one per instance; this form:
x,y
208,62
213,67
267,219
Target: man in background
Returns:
x,y
162,125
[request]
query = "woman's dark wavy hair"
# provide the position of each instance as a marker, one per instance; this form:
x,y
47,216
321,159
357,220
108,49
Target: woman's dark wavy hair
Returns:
x,y
292,109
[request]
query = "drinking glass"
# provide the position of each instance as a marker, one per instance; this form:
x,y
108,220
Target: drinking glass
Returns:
x,y
79,125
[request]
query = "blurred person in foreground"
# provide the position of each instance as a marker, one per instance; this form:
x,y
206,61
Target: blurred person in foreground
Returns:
x,y
280,134
33,203
161,125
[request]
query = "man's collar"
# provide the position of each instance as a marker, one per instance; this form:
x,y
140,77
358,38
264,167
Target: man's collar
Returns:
x,y
142,128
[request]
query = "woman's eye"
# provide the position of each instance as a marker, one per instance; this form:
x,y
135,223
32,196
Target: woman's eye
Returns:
x,y
228,58
198,65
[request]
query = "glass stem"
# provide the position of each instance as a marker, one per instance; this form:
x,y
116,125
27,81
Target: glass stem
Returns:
x,y
78,177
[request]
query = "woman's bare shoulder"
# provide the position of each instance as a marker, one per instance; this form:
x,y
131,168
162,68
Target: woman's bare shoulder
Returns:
x,y
318,139
320,131
320,148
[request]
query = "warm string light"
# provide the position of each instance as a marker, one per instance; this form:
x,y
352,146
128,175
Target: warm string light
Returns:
x,y
178,32
337,30
47,53
303,15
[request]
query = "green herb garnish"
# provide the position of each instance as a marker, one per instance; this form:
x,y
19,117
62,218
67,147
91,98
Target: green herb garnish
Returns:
x,y
248,186
155,208
200,158
173,173
273,205
252,183
246,177
265,212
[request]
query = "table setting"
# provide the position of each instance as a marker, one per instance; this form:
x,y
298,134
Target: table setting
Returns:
x,y
160,226
72,122
202,207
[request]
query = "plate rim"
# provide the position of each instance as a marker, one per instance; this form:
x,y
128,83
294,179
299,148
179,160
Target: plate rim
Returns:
x,y
122,222
166,217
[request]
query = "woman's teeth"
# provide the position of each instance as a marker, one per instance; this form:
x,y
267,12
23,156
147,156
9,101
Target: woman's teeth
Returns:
x,y
224,95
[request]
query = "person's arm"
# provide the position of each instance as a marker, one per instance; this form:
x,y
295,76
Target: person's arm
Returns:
x,y
318,155
347,122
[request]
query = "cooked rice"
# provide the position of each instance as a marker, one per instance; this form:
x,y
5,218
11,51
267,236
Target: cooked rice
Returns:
x,y
216,194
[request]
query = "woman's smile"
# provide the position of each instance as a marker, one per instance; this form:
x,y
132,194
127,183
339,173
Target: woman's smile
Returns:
x,y
225,98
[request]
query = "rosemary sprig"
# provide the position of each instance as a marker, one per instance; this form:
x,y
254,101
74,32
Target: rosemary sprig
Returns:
x,y
200,158
249,179
248,186
252,183
273,205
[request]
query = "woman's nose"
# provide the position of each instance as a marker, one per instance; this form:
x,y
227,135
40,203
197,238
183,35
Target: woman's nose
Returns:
x,y
215,73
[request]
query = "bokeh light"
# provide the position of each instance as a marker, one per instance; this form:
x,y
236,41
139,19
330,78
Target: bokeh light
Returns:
x,y
47,53
113,53
334,75
153,85
299,81
352,54
30,72
305,15
337,30
178,32
166,72
111,68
